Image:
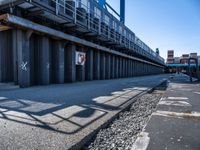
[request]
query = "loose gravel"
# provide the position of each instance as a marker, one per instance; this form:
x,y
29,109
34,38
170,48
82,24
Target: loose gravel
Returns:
x,y
123,131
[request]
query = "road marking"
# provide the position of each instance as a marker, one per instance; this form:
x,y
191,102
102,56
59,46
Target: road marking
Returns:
x,y
196,93
3,98
190,115
174,103
141,142
178,98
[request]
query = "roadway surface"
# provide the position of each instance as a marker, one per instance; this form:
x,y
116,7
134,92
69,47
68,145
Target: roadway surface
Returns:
x,y
60,116
176,123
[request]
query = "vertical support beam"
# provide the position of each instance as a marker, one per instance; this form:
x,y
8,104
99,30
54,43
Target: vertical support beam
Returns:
x,y
112,67
15,57
70,65
103,66
96,65
116,67
59,51
129,68
124,68
1,54
89,64
24,58
45,61
120,66
108,67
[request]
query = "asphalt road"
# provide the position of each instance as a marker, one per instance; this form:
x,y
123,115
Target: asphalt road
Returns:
x,y
60,116
176,123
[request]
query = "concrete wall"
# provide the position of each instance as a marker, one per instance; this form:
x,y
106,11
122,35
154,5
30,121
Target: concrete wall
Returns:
x,y
27,58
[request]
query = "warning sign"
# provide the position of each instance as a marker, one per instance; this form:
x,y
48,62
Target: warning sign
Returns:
x,y
80,58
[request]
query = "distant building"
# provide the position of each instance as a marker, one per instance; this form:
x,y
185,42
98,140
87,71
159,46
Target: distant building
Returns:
x,y
170,57
177,64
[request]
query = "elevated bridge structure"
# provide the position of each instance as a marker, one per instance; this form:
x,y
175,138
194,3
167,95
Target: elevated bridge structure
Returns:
x,y
58,41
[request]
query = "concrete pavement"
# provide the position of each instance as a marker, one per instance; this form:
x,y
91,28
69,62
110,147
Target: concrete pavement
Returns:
x,y
60,116
176,123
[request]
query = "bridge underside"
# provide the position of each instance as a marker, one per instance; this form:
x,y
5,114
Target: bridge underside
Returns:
x,y
31,55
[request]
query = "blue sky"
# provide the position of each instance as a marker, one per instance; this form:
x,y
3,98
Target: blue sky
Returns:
x,y
166,24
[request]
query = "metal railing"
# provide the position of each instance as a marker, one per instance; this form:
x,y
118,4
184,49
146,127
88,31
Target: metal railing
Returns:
x,y
99,21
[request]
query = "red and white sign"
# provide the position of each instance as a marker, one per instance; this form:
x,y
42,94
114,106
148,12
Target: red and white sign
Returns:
x,y
80,58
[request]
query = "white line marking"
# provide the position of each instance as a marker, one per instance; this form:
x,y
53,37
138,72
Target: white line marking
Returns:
x,y
192,115
141,142
178,98
174,103
196,93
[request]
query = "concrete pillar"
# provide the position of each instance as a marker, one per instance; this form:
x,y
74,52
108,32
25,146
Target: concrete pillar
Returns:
x,y
129,68
80,69
89,64
15,56
132,68
96,65
59,65
6,69
120,67
108,67
70,66
1,54
45,63
116,67
112,66
24,58
123,67
103,66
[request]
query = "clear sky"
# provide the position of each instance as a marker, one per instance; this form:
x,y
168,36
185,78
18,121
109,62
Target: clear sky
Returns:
x,y
166,24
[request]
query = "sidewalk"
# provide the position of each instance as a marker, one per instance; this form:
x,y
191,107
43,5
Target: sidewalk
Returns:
x,y
176,123
58,117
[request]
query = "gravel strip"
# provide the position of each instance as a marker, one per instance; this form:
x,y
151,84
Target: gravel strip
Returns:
x,y
122,132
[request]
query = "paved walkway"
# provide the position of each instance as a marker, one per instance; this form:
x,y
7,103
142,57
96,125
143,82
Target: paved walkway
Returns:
x,y
176,123
59,116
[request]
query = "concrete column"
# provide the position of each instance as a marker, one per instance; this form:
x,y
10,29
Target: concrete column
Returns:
x,y
59,57
129,67
1,54
6,59
80,69
132,66
120,67
45,63
24,58
103,66
108,70
136,68
116,67
96,65
70,66
112,66
15,56
89,64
